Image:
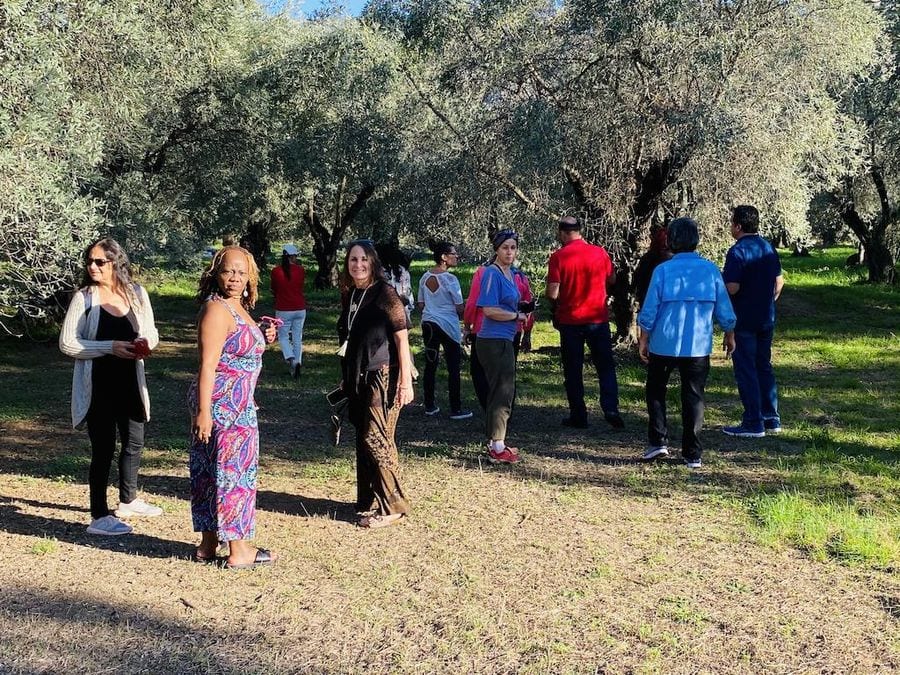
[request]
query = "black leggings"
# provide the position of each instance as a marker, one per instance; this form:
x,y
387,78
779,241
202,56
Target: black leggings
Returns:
x,y
102,429
435,338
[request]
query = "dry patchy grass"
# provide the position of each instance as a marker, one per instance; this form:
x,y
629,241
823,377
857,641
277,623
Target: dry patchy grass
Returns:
x,y
579,560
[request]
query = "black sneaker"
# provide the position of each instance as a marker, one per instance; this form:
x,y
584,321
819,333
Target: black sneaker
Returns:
x,y
615,420
461,415
574,423
432,411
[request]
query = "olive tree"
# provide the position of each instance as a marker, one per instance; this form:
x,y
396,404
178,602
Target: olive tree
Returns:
x,y
866,194
88,92
632,113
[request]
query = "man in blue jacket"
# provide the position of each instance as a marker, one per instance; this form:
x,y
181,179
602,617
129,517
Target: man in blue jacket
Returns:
x,y
676,322
753,278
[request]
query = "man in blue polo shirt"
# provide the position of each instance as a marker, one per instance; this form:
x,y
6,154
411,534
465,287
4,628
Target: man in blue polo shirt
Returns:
x,y
753,278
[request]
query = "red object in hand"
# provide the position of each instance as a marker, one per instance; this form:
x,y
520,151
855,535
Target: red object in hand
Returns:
x,y
141,348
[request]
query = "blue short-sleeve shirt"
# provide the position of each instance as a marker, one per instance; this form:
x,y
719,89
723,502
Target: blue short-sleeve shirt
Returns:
x,y
498,291
754,264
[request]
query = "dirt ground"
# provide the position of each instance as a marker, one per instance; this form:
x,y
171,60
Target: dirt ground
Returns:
x,y
579,560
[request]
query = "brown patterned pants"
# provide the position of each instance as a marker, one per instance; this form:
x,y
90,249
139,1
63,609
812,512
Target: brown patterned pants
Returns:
x,y
375,415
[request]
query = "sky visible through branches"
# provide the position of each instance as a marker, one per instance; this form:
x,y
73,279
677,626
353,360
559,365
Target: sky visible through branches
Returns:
x,y
308,7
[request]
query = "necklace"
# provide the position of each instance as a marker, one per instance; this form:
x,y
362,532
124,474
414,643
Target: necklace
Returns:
x,y
354,305
351,315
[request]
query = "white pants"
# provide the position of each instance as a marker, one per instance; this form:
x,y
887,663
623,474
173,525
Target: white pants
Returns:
x,y
290,335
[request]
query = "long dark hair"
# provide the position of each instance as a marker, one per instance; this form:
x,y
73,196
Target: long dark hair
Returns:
x,y
393,260
286,264
209,280
439,248
115,254
375,268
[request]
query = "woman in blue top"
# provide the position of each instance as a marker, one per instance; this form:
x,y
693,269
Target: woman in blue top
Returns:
x,y
499,299
441,303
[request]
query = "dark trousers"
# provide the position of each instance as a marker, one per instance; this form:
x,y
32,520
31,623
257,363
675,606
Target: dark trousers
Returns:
x,y
479,379
693,372
436,339
375,412
498,360
755,378
599,342
476,371
102,428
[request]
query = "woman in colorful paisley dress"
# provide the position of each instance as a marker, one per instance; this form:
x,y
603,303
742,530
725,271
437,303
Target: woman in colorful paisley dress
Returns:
x,y
224,453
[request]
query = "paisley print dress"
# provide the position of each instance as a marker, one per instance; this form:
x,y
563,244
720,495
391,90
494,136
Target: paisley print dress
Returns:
x,y
223,470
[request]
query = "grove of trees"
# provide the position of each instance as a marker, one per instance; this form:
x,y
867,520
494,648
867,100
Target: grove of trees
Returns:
x,y
169,125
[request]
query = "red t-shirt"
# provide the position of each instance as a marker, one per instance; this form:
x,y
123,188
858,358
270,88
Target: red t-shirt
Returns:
x,y
288,292
581,270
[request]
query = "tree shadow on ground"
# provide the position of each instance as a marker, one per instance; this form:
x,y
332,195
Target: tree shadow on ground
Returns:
x,y
14,521
70,624
179,487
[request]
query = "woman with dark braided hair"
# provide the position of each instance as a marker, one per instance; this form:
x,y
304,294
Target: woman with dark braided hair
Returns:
x,y
224,452
109,330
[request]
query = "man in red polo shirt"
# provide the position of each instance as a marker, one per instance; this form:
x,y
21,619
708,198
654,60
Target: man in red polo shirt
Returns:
x,y
578,277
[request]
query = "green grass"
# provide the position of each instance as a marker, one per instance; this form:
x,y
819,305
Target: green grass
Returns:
x,y
44,546
829,529
838,364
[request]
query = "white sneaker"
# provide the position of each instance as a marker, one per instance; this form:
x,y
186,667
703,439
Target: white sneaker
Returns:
x,y
108,526
137,508
655,451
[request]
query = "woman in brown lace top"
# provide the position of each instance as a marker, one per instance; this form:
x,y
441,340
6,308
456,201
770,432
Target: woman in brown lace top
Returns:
x,y
377,379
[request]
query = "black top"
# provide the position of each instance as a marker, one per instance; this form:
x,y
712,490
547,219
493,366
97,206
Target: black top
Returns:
x,y
644,271
369,332
114,380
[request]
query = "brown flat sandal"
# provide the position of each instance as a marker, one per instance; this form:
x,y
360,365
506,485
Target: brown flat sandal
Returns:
x,y
377,520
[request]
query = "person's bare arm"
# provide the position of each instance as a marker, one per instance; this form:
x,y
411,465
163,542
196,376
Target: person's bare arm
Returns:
x,y
779,284
212,330
500,314
405,392
552,292
728,343
644,345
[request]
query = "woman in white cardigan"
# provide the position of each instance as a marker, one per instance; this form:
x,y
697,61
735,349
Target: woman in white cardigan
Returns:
x,y
109,330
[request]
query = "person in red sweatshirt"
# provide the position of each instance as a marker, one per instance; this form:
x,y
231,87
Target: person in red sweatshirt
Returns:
x,y
290,307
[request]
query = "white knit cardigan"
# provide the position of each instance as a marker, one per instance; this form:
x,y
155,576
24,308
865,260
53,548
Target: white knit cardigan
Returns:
x,y
78,340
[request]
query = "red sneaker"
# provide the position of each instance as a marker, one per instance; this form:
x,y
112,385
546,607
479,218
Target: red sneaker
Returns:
x,y
506,456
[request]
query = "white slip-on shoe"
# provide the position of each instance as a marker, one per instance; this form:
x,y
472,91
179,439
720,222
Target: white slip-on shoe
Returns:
x,y
138,508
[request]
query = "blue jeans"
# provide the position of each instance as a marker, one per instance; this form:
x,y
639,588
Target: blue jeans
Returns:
x,y
290,334
599,341
755,378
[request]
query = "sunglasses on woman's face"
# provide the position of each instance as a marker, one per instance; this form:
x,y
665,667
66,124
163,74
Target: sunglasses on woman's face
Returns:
x,y
99,262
